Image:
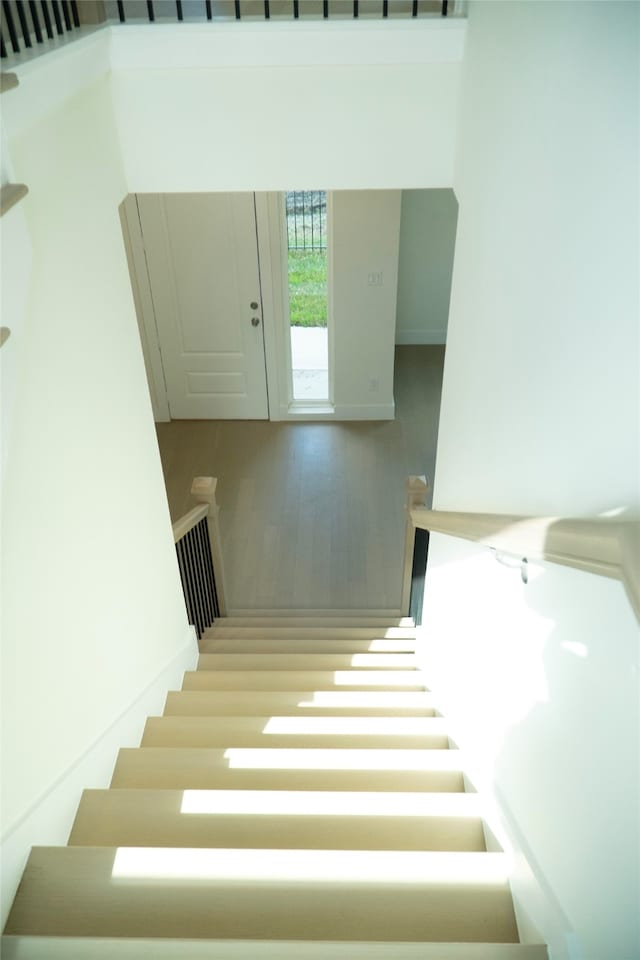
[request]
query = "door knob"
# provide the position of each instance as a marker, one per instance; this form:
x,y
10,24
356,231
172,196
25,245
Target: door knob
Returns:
x,y
255,321
253,305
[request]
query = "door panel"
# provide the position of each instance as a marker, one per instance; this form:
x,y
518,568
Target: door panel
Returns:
x,y
203,270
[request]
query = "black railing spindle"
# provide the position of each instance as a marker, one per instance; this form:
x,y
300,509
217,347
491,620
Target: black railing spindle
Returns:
x,y
207,7
325,9
47,19
121,11
57,17
74,13
11,27
150,11
3,49
445,7
237,6
36,20
22,17
296,9
195,563
414,9
179,13
385,8
66,14
267,10
418,573
355,9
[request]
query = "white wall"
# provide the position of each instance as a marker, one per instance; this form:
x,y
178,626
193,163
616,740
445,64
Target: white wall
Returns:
x,y
540,415
365,232
92,610
335,105
427,241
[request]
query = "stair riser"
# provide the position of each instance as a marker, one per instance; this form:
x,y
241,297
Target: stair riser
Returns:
x,y
93,897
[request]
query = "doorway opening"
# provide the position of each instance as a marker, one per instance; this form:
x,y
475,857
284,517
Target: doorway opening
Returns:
x,y
306,213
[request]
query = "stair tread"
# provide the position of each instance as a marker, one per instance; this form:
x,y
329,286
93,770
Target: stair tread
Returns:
x,y
350,679
268,703
291,732
306,895
315,621
203,768
221,643
307,661
168,818
219,629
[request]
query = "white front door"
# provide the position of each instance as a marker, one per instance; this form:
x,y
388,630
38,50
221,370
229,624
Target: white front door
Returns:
x,y
202,260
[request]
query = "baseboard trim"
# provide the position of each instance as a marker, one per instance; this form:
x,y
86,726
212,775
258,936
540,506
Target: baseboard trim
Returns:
x,y
423,337
48,821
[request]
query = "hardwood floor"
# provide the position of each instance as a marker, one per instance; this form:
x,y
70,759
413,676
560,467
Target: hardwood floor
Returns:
x,y
312,514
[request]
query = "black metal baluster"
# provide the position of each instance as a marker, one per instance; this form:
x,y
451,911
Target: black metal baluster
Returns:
x,y
3,49
325,9
57,17
385,8
150,11
355,9
418,573
445,7
212,576
190,592
207,7
205,551
202,573
66,15
267,11
184,576
296,9
75,14
121,11
193,553
47,19
36,20
11,27
23,23
414,10
237,6
179,9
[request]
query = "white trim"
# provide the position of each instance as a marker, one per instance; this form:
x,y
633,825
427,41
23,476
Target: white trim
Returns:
x,y
80,948
405,337
49,820
143,301
356,411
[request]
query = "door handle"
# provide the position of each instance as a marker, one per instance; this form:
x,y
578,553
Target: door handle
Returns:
x,y
255,321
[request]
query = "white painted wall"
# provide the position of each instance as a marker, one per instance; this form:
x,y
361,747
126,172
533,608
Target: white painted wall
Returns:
x,y
287,105
92,612
540,415
365,234
427,241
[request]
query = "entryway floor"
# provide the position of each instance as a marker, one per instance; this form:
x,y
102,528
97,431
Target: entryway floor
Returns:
x,y
312,514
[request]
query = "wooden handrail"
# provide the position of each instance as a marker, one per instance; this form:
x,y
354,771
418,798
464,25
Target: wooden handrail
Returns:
x,y
609,548
182,526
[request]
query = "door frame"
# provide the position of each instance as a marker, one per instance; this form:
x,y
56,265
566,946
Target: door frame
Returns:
x,y
272,262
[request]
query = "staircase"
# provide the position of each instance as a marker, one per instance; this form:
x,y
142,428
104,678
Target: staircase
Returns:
x,y
299,798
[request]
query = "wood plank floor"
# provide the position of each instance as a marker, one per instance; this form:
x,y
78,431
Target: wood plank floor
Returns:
x,y
312,514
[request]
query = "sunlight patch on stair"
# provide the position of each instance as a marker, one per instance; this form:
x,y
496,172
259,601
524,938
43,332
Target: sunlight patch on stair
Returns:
x,y
327,803
378,678
310,866
292,758
355,726
343,698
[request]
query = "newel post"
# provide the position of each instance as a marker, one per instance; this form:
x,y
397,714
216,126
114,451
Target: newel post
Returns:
x,y
203,490
417,490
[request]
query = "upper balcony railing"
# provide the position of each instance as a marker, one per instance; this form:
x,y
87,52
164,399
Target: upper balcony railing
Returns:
x,y
27,26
